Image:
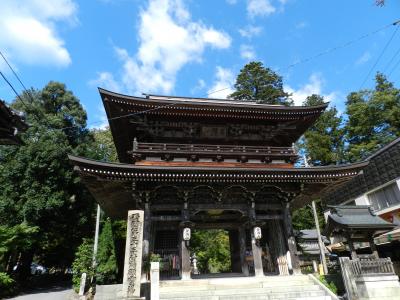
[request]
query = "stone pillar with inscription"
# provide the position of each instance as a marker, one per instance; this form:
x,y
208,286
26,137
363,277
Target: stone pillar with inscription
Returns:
x,y
133,255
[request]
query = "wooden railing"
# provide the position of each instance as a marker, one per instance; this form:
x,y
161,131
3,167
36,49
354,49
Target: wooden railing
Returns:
x,y
222,149
194,152
371,266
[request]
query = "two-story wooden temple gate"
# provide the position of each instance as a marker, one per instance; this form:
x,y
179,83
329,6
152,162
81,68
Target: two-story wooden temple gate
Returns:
x,y
209,164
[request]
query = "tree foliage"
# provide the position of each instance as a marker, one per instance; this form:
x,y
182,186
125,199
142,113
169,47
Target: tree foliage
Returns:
x,y
103,145
82,263
258,83
373,118
107,269
323,142
212,250
39,187
303,218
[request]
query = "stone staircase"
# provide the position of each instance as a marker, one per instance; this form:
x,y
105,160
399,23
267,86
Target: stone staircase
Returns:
x,y
299,287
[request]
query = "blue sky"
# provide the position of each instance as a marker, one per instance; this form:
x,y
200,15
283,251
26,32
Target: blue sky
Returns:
x,y
191,48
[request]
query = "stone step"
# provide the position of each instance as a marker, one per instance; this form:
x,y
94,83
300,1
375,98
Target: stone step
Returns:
x,y
255,297
243,293
272,281
211,290
234,285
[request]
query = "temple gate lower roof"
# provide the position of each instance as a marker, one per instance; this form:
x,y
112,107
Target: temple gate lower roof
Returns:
x,y
113,184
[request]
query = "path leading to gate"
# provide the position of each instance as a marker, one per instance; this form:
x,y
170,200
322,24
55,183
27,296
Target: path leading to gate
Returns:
x,y
48,294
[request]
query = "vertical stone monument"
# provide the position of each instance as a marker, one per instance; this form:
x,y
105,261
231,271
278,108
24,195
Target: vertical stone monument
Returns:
x,y
133,255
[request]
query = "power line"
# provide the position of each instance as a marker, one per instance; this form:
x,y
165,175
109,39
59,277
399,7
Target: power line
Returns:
x,y
380,56
12,69
12,87
330,50
347,44
391,60
394,68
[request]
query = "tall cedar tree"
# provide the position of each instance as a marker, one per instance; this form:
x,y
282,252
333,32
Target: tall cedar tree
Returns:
x,y
323,142
373,118
258,83
39,187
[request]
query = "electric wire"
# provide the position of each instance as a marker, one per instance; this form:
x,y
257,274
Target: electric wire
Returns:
x,y
391,60
16,93
330,50
347,44
394,68
380,56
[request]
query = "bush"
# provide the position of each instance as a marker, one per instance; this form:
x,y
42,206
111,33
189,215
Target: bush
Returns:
x,y
107,269
7,285
330,285
82,263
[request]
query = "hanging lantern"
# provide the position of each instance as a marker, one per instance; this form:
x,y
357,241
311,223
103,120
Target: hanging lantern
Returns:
x,y
257,233
186,234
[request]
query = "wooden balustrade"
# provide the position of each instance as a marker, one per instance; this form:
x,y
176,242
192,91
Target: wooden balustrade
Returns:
x,y
207,150
371,266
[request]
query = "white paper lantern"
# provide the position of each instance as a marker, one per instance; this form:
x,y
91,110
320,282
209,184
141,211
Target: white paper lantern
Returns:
x,y
186,234
257,233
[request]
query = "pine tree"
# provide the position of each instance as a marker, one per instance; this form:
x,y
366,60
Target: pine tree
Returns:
x,y
258,83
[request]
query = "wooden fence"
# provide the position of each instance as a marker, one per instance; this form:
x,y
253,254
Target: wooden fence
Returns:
x,y
372,266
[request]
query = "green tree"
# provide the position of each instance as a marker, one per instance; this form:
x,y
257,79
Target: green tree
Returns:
x,y
373,118
258,83
39,187
323,142
103,145
212,250
107,269
303,218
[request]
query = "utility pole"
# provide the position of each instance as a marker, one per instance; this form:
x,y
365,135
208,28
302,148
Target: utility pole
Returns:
x,y
96,243
320,243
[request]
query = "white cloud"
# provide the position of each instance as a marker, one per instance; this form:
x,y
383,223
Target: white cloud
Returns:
x,y
365,57
314,86
250,31
106,80
257,8
247,52
29,32
223,84
168,40
201,84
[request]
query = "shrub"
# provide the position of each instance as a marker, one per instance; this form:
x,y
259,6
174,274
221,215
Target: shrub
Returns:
x,y
330,285
7,285
107,270
82,263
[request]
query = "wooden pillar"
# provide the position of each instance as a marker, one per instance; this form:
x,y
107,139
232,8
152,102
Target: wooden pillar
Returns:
x,y
146,239
287,219
185,257
257,256
351,246
373,246
242,249
234,246
278,246
184,249
255,245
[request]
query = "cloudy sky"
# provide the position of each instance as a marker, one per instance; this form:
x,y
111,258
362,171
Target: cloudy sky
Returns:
x,y
196,48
